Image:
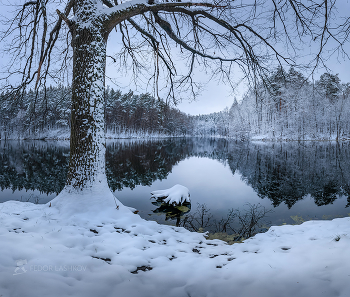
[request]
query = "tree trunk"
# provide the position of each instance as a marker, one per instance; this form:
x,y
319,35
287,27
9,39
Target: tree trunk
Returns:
x,y
86,189
87,142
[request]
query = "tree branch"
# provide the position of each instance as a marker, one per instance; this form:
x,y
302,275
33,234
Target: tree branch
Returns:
x,y
168,29
117,16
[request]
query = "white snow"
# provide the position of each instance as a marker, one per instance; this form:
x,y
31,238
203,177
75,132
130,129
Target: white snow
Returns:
x,y
124,5
90,249
177,194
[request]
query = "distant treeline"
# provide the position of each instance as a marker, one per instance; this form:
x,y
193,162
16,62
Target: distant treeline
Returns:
x,y
35,113
286,106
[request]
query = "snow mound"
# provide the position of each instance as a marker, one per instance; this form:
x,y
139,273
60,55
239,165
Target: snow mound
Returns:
x,y
89,203
177,194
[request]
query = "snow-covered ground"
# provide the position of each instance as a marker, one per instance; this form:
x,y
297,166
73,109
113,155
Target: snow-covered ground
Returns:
x,y
267,137
68,249
64,134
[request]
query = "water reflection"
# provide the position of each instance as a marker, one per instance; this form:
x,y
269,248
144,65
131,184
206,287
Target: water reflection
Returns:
x,y
132,163
288,172
284,173
33,165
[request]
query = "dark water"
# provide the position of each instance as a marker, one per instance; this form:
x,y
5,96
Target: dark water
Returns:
x,y
308,180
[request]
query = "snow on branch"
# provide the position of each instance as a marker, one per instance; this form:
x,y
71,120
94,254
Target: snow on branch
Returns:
x,y
121,12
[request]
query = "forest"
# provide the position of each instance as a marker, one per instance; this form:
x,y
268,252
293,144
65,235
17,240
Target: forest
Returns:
x,y
47,114
286,106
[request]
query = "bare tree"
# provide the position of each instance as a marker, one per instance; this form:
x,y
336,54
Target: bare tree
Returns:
x,y
217,35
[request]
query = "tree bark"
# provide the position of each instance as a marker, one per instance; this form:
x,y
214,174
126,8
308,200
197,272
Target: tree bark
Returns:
x,y
87,142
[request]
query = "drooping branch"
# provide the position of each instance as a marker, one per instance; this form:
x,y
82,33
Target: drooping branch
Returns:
x,y
43,40
35,40
230,28
46,52
154,42
168,29
64,18
247,57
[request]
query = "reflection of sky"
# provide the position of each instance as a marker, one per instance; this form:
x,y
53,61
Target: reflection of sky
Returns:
x,y
209,182
212,183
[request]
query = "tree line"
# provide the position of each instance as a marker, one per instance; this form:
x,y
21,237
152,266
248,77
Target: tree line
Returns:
x,y
286,106
36,114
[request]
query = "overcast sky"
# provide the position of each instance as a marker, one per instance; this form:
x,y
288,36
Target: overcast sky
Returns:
x,y
215,95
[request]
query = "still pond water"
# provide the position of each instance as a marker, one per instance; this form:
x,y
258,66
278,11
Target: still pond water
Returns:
x,y
308,180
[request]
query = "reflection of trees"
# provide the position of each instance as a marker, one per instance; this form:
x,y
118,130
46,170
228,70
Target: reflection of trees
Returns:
x,y
132,163
41,165
328,194
141,163
288,172
33,165
283,173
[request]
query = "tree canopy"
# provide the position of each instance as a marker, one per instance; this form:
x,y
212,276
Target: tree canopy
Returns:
x,y
165,43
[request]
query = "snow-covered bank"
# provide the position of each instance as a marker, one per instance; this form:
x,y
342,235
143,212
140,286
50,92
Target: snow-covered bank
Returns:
x,y
65,135
298,138
45,252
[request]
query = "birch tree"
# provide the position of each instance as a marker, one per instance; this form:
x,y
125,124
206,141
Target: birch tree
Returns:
x,y
220,36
